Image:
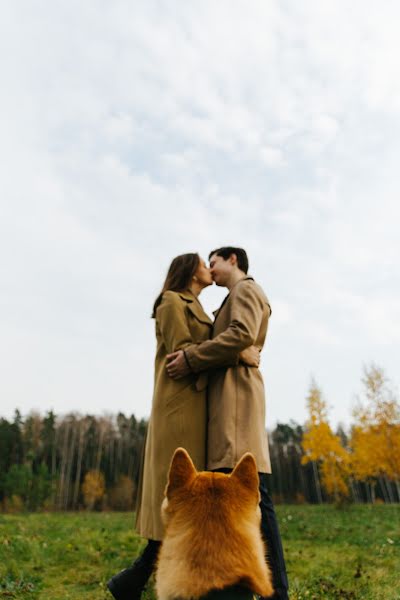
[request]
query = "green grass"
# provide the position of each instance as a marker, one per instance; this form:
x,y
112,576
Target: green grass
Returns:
x,y
331,554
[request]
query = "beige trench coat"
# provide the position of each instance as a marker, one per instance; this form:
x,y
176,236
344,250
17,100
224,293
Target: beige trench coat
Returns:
x,y
179,410
236,399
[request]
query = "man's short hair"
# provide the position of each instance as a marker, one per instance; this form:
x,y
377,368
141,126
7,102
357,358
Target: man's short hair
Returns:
x,y
227,251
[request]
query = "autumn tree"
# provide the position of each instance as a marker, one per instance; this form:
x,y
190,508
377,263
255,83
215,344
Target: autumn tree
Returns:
x,y
375,439
324,449
93,488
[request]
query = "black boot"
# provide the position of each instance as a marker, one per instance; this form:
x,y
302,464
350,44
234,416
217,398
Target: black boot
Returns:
x,y
129,583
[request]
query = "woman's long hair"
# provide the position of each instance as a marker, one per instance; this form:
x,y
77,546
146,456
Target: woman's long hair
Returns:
x,y
179,276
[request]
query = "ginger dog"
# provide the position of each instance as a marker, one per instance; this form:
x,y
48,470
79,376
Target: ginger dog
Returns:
x,y
212,531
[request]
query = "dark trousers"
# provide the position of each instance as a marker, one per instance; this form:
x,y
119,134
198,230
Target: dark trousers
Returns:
x,y
272,537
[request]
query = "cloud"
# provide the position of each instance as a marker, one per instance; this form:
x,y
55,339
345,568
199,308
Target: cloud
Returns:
x,y
132,134
272,157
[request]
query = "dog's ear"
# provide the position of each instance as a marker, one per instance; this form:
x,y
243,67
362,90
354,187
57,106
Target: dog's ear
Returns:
x,y
246,472
181,471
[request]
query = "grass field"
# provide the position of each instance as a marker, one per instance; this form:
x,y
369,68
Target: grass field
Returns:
x,y
331,554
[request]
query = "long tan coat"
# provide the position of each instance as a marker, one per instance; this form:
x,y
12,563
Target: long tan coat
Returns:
x,y
179,410
236,399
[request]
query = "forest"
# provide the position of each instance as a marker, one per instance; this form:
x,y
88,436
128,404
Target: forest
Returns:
x,y
70,462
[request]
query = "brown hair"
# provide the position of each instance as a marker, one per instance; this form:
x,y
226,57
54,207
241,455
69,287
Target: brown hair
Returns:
x,y
179,276
227,251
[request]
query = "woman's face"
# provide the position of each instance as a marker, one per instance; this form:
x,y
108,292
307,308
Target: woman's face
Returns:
x,y
203,274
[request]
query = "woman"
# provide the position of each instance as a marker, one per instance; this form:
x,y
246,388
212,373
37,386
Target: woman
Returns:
x,y
179,411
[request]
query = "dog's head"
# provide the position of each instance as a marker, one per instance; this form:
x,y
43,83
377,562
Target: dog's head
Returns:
x,y
209,497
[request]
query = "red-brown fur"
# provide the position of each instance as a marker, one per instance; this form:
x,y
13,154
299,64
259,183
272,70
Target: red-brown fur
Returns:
x,y
212,538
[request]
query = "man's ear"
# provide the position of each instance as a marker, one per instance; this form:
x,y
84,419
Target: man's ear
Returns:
x,y
246,472
233,259
181,471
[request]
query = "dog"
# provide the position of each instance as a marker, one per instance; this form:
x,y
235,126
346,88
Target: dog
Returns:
x,y
212,546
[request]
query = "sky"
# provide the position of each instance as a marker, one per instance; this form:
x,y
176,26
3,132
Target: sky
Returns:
x,y
135,131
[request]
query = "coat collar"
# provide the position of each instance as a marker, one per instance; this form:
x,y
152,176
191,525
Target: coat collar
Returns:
x,y
187,295
195,307
239,280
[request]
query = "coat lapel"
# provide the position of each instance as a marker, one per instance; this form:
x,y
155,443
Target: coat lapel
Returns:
x,y
199,313
216,312
195,308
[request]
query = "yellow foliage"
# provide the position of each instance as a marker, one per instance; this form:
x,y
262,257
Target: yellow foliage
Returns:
x,y
93,488
375,440
364,462
316,405
12,505
321,445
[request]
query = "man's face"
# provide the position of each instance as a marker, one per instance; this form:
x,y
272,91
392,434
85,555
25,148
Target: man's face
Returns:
x,y
221,269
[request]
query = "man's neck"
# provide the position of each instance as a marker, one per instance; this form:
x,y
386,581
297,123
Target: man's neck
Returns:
x,y
236,276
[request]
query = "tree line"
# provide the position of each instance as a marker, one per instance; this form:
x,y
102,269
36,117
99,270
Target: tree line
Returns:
x,y
58,463
83,461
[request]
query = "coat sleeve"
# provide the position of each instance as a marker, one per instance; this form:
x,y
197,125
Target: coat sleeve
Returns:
x,y
172,322
223,350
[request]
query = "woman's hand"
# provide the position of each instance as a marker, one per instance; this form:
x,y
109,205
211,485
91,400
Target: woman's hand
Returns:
x,y
250,356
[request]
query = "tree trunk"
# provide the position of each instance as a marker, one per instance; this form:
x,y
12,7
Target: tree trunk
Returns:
x,y
64,453
78,465
100,446
397,484
317,483
70,460
389,489
384,489
372,488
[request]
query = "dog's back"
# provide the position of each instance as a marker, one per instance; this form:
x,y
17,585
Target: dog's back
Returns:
x,y
213,539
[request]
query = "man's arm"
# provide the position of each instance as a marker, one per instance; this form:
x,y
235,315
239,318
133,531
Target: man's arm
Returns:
x,y
223,350
178,365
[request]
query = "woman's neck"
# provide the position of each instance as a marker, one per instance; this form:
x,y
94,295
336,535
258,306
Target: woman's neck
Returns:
x,y
196,288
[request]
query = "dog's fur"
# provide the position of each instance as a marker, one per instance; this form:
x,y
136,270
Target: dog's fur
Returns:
x,y
212,536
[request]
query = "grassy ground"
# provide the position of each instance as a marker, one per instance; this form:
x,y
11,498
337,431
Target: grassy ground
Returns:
x,y
331,554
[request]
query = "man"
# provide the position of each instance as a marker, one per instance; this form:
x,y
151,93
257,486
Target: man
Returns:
x,y
236,394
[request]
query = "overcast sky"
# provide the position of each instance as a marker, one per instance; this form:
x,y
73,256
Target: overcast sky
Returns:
x,y
135,131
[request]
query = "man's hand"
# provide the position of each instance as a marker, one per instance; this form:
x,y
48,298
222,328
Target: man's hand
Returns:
x,y
177,366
